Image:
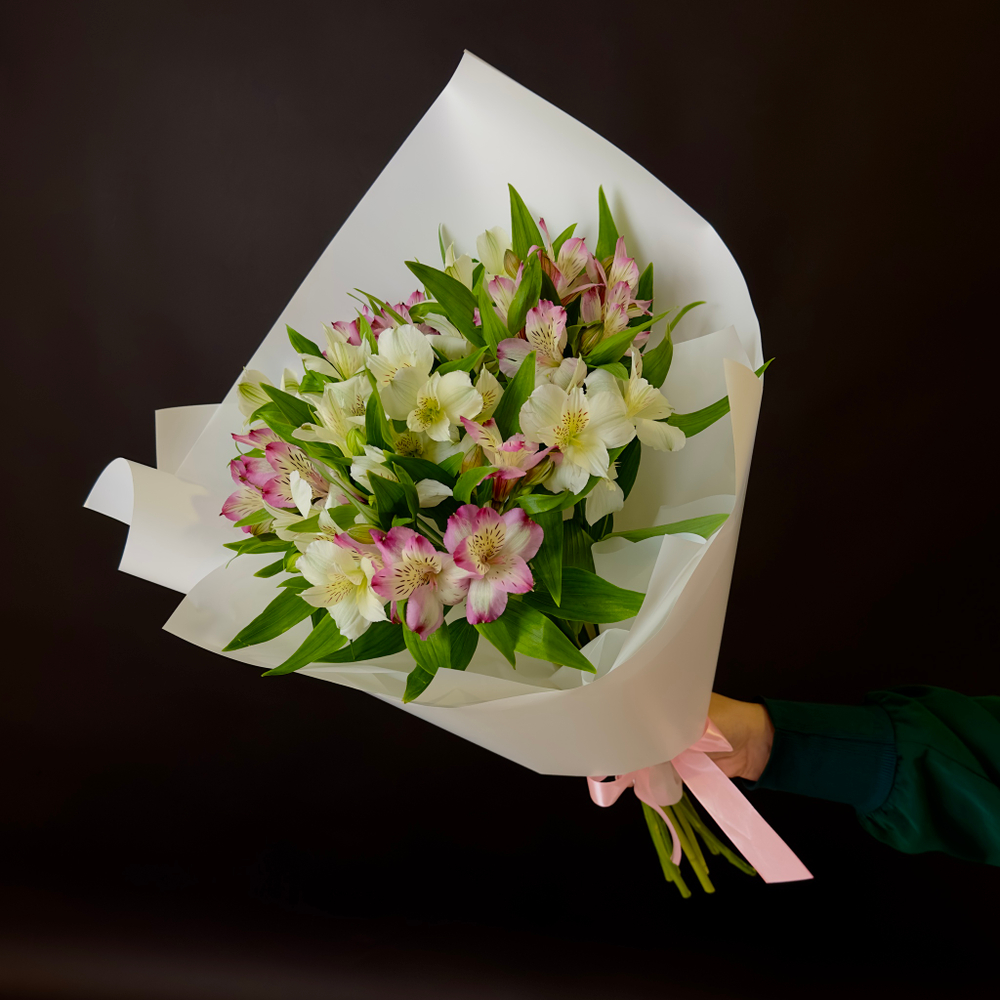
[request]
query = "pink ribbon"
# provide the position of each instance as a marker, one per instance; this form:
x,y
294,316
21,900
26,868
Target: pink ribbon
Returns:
x,y
746,828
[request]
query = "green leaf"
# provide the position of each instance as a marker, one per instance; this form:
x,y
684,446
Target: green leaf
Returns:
x,y
548,290
302,345
577,547
628,466
390,497
430,655
684,311
325,638
313,381
420,468
295,583
656,363
524,230
381,639
458,301
541,503
587,597
464,640
515,395
293,410
493,329
526,296
255,544
377,429
285,611
451,465
704,526
409,493
616,368
529,632
614,347
366,333
607,235
478,273
271,569
444,253
465,364
468,480
548,561
644,290
694,423
255,518
562,238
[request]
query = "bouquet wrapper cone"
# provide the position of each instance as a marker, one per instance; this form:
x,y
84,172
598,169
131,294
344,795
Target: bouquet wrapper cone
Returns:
x,y
647,702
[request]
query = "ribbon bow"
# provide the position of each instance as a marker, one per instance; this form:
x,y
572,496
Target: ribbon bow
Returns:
x,y
746,828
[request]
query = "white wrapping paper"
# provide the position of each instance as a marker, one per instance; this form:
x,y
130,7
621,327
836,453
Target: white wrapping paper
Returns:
x,y
649,697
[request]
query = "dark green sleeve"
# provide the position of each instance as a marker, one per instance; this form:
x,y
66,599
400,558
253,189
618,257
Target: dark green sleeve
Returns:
x,y
920,766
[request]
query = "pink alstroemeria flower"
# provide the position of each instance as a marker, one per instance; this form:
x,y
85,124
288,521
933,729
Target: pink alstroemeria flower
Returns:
x,y
512,458
285,459
259,438
568,268
611,300
349,331
250,475
385,321
545,334
493,549
502,289
415,572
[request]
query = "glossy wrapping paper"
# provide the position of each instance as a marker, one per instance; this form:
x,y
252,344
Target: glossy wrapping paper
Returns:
x,y
648,700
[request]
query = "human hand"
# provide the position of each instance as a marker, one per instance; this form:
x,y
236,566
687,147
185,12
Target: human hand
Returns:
x,y
749,731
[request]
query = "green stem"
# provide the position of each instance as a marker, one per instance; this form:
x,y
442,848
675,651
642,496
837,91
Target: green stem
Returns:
x,y
690,851
714,844
658,833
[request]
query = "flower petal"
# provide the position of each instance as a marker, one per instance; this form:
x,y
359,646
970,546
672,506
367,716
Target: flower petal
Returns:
x,y
485,602
659,435
523,537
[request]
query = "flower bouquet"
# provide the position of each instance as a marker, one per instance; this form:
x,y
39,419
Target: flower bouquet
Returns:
x,y
507,503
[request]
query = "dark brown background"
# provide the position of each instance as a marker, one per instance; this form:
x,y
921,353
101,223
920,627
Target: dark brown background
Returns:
x,y
173,826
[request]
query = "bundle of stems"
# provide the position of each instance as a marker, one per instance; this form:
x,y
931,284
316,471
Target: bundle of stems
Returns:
x,y
687,823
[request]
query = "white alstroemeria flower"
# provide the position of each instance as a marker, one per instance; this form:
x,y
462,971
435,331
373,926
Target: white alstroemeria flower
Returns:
x,y
449,340
571,374
491,247
289,382
249,394
490,389
416,444
371,463
645,406
341,572
430,492
341,407
341,359
460,269
606,497
401,367
582,426
327,531
285,518
441,403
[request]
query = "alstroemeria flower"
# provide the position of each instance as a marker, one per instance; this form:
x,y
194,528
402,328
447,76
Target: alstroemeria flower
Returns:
x,y
490,389
416,444
385,320
582,426
567,269
341,359
401,367
328,531
259,438
441,403
606,497
545,334
493,550
502,289
249,394
341,407
250,476
285,459
512,457
371,463
645,406
341,572
415,572
460,269
491,247
446,337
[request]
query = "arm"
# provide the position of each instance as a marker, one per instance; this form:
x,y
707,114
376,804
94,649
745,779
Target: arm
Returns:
x,y
920,765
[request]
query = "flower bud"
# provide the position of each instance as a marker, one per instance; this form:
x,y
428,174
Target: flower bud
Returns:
x,y
538,473
290,560
361,533
511,263
356,441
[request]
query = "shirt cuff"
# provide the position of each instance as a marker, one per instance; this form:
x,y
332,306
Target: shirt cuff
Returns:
x,y
841,753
